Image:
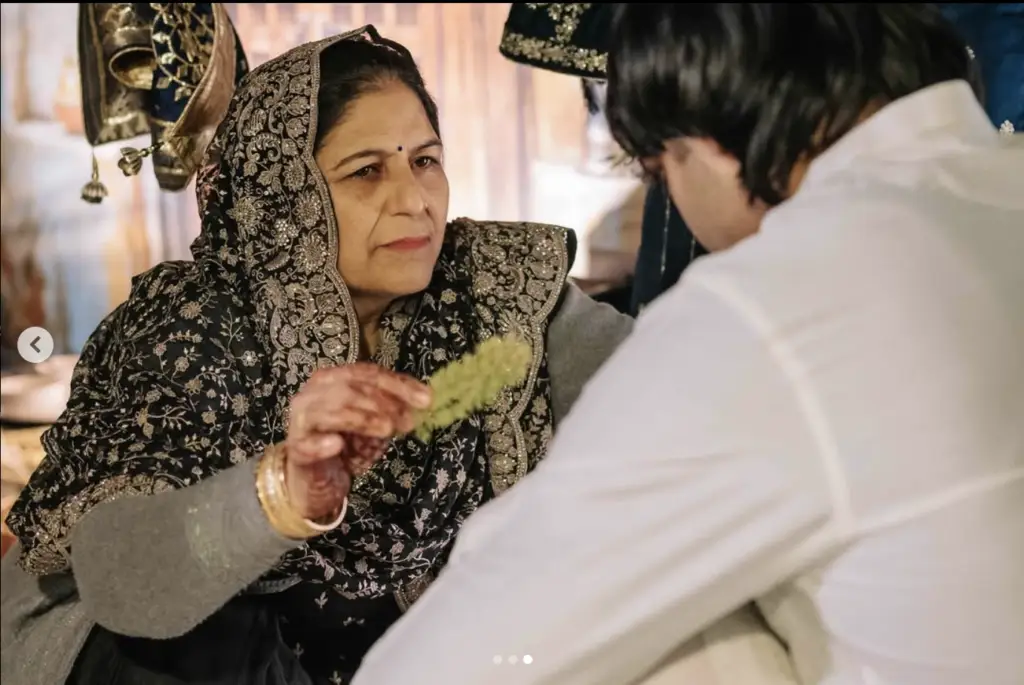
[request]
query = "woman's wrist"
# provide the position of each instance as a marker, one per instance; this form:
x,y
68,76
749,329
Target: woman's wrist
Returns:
x,y
272,490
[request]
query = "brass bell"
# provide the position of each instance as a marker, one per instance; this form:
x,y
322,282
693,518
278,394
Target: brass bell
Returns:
x,y
130,163
94,191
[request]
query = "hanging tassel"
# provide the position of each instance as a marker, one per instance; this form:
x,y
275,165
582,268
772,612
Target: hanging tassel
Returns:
x,y
131,159
94,191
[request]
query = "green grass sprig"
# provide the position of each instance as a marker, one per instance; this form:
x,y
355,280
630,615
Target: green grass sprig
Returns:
x,y
474,382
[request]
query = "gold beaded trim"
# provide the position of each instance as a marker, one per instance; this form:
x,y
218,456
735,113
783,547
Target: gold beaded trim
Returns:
x,y
558,51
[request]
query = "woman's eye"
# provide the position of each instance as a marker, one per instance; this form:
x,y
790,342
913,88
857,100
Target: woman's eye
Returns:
x,y
425,162
365,172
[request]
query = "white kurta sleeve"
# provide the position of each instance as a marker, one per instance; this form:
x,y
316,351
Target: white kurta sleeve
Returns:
x,y
685,482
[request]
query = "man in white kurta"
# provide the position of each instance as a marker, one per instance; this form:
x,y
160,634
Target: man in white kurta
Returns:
x,y
827,419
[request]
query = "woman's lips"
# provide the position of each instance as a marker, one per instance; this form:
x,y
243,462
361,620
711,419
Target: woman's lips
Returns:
x,y
409,244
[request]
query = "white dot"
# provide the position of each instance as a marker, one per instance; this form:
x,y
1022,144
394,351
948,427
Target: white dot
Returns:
x,y
497,658
527,659
513,659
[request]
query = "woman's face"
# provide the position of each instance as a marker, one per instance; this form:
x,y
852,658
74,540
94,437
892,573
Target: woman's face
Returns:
x,y
383,165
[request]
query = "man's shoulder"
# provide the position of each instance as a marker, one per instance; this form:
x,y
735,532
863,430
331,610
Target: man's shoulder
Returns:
x,y
854,250
871,224
852,204
823,252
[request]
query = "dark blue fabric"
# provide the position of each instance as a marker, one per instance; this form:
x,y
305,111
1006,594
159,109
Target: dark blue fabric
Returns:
x,y
169,96
995,33
651,279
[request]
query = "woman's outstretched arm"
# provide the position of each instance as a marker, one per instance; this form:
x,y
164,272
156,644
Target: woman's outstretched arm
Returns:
x,y
157,566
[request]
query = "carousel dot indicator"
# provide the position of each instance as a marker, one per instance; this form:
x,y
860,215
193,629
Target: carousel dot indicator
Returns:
x,y
513,659
497,658
527,659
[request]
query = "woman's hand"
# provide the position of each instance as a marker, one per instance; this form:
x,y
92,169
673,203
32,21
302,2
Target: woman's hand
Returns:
x,y
340,423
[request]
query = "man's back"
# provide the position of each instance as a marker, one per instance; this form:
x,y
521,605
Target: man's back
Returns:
x,y
894,285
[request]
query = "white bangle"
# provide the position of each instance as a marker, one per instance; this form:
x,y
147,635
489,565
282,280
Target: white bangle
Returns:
x,y
325,527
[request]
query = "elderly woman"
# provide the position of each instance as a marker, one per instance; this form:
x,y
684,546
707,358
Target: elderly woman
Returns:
x,y
231,496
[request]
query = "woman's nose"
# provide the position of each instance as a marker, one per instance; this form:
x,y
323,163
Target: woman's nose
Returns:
x,y
407,194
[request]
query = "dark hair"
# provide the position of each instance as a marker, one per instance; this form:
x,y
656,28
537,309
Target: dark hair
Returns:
x,y
769,82
351,68
590,98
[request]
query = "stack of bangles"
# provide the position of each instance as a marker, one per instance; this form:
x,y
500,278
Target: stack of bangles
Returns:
x,y
272,490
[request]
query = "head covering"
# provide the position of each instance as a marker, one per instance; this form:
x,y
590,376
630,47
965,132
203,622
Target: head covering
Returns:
x,y
566,37
194,373
166,69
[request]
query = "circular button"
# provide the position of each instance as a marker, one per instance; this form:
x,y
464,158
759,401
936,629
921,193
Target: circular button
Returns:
x,y
35,345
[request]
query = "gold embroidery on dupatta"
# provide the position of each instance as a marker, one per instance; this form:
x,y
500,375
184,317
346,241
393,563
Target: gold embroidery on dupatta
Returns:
x,y
302,304
183,69
407,594
519,270
113,422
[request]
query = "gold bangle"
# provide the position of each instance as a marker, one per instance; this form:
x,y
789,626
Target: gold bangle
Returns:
x,y
274,499
272,490
334,523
